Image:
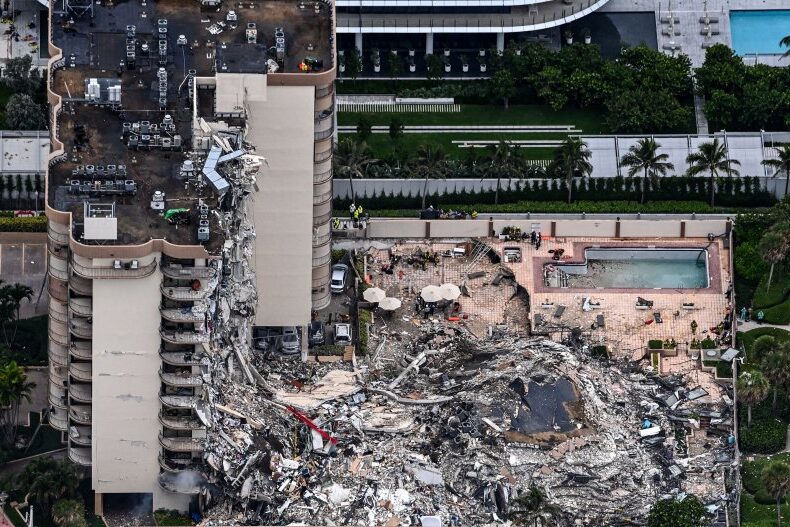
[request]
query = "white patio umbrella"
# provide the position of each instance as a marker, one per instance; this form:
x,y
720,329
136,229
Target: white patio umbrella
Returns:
x,y
390,304
431,293
374,294
450,291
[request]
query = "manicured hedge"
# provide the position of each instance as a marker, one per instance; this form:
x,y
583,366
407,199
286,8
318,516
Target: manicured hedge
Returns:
x,y
34,224
766,436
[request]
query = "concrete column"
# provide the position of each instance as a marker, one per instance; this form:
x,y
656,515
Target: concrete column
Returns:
x,y
500,42
429,43
358,42
98,504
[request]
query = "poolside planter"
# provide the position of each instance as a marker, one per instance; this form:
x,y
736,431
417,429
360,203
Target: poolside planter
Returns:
x,y
377,68
482,68
446,52
412,68
464,67
447,68
411,52
482,53
587,39
342,67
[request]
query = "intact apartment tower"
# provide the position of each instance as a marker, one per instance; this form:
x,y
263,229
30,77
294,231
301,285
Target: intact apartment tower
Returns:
x,y
157,108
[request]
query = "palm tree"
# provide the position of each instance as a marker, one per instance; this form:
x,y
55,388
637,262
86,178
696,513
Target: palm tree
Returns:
x,y
786,43
69,513
782,161
570,158
14,388
775,477
11,297
752,389
351,160
773,248
643,156
431,162
712,157
47,480
776,368
504,160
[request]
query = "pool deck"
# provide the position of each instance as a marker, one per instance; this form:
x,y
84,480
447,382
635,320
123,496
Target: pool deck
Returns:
x,y
627,329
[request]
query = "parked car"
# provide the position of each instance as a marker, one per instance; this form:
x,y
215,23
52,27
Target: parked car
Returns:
x,y
343,334
338,283
316,333
289,344
264,339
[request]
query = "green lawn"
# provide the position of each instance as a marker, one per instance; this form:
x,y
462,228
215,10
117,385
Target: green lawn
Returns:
x,y
589,121
754,514
758,508
46,440
747,338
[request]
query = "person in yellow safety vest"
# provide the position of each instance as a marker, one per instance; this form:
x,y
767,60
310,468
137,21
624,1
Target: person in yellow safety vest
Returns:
x,y
356,214
359,209
336,223
474,214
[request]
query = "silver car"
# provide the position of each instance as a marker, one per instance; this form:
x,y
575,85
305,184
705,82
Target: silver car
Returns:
x,y
338,283
289,343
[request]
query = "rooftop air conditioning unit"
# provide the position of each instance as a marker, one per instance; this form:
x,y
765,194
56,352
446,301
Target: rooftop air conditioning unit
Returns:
x,y
116,264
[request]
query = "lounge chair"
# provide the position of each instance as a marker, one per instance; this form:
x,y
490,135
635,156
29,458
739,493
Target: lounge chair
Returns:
x,y
657,318
599,321
539,320
560,310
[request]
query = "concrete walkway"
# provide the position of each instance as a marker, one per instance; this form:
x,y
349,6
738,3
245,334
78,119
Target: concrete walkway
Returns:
x,y
746,326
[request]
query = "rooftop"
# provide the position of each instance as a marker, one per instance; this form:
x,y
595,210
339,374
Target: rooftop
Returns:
x,y
122,146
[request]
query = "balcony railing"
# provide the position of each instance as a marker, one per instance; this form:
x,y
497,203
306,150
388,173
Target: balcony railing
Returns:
x,y
180,423
57,289
57,334
322,198
58,374
321,260
58,316
182,444
179,401
82,371
81,456
81,392
178,465
80,328
57,396
82,307
324,134
58,420
180,380
58,354
56,272
58,250
323,155
58,237
183,337
82,436
82,350
321,219
180,358
185,314
123,270
323,91
188,271
81,286
322,177
323,239
185,294
80,414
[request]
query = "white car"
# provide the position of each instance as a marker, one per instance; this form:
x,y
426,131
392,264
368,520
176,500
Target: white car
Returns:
x,y
289,344
338,283
343,334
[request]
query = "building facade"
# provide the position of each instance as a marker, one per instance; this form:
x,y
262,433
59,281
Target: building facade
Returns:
x,y
157,124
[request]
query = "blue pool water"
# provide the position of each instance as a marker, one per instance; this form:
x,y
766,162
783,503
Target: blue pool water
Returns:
x,y
759,31
639,269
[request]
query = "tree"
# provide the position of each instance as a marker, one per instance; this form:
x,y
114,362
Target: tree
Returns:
x,y
503,160
18,187
776,368
351,160
353,64
364,129
14,388
434,67
644,156
775,477
672,513
395,66
752,389
712,157
20,76
69,513
786,43
502,85
47,480
431,162
396,128
762,346
23,113
571,158
773,248
781,163
11,297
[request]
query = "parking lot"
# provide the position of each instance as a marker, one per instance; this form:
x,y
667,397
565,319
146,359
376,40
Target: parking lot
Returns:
x,y
25,263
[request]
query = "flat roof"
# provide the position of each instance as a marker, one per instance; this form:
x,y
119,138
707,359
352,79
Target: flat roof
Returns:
x,y
23,152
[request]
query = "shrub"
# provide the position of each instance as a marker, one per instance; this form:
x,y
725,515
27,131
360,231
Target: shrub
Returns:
x,y
655,344
780,288
365,318
34,224
764,437
171,517
337,255
708,344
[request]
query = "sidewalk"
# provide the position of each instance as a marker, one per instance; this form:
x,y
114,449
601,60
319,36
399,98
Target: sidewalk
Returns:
x,y
749,325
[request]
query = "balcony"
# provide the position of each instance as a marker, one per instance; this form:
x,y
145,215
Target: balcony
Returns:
x,y
57,397
58,375
173,483
58,419
58,333
80,414
181,380
58,268
130,269
56,314
322,177
324,128
182,444
185,314
322,239
82,371
170,464
180,422
57,290
323,91
179,401
58,354
80,435
188,272
183,336
322,198
81,393
81,286
82,350
81,456
82,307
61,238
323,155
58,250
185,294
81,328
180,358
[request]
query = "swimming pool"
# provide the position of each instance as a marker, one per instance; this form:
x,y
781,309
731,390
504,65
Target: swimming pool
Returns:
x,y
759,31
638,268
